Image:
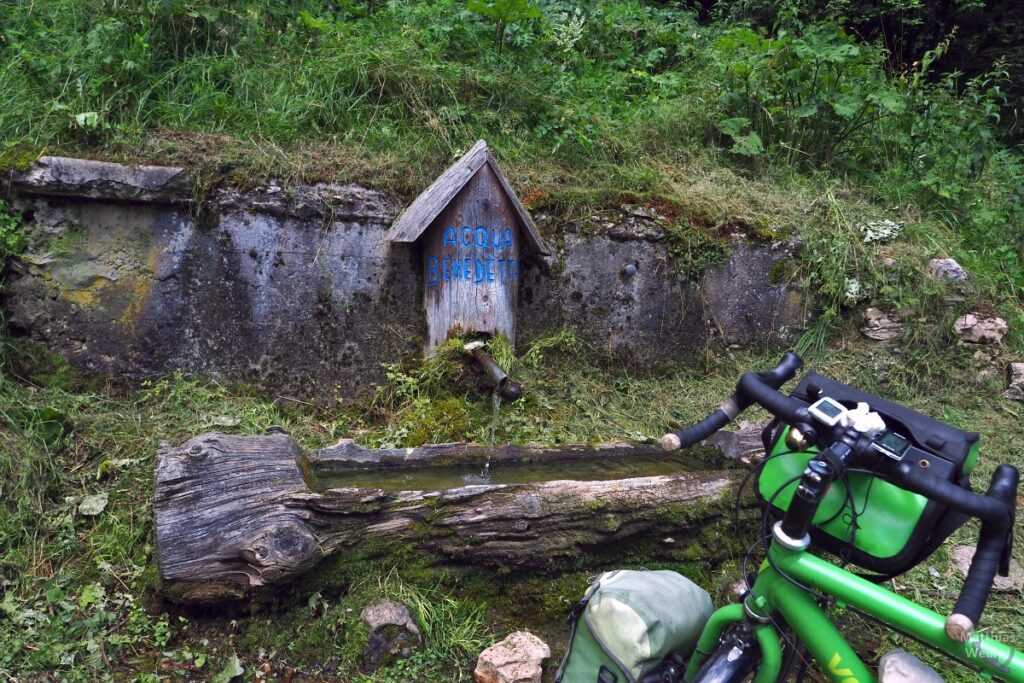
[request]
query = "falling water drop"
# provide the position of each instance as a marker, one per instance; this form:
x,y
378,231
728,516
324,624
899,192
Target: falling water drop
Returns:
x,y
495,412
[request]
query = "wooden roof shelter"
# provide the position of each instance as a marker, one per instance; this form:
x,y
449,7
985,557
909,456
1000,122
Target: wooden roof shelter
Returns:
x,y
431,202
474,233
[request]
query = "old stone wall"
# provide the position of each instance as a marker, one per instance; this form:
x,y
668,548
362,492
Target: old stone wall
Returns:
x,y
294,289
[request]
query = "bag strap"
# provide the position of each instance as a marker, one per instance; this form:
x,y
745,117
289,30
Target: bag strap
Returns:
x,y
574,619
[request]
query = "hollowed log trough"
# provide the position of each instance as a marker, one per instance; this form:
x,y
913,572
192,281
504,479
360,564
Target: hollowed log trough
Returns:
x,y
236,513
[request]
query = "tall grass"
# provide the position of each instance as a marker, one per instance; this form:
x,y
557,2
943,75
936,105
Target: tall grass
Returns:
x,y
619,101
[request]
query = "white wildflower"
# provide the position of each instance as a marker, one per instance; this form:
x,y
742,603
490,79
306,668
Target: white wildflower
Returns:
x,y
567,29
880,231
854,291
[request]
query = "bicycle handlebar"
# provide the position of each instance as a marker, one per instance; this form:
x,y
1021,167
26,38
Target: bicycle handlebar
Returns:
x,y
996,508
753,387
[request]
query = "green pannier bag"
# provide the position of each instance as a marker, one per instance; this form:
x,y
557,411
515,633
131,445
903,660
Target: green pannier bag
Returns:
x,y
628,622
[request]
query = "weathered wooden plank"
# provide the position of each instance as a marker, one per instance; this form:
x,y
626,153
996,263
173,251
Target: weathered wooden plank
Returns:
x,y
471,263
233,513
424,209
530,232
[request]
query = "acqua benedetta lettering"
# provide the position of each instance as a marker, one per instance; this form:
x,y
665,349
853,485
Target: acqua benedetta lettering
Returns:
x,y
472,265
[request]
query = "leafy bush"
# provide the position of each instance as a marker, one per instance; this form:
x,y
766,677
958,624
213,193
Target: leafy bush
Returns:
x,y
806,98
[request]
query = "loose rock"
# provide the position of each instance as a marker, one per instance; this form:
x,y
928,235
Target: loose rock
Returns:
x,y
743,445
517,659
883,327
393,633
976,329
1015,387
947,269
962,556
899,666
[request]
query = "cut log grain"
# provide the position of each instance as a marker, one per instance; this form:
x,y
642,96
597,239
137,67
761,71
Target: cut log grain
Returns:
x,y
234,513
742,445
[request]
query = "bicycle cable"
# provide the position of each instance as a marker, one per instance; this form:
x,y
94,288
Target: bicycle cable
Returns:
x,y
765,531
743,484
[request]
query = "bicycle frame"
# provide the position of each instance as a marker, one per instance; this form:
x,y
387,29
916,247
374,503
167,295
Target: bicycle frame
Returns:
x,y
774,593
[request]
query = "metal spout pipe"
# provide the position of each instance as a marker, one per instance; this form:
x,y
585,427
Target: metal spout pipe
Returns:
x,y
504,386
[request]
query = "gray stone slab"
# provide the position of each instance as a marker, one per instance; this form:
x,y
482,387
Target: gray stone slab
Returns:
x,y
69,177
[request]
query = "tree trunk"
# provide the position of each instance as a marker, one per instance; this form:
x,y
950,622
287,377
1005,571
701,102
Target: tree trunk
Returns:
x,y
235,512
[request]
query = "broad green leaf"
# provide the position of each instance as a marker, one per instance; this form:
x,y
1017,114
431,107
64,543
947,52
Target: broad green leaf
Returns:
x,y
805,111
93,594
888,100
733,127
847,105
88,119
232,670
748,145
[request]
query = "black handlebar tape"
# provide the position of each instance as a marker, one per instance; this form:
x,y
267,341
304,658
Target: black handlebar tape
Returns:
x,y
737,403
786,408
784,371
703,429
919,480
991,544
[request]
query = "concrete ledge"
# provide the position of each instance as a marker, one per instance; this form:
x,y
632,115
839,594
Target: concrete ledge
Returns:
x,y
66,177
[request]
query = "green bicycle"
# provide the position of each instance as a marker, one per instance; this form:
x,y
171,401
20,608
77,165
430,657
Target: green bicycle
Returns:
x,y
880,487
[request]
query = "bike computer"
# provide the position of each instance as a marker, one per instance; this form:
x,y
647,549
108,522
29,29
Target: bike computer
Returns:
x,y
827,411
891,444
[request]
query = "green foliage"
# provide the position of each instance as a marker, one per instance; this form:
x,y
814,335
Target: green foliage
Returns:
x,y
850,264
502,13
12,238
695,248
76,587
614,97
413,75
803,97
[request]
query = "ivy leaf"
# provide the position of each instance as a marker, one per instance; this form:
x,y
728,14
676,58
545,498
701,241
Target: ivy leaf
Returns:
x,y
93,594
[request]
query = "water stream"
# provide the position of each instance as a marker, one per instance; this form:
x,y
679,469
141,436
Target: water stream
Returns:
x,y
590,468
495,412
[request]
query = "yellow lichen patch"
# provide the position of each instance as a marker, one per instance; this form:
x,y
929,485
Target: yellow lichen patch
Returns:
x,y
137,290
87,297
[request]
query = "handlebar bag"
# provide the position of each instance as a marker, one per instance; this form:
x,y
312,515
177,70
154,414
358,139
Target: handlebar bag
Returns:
x,y
865,519
628,622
